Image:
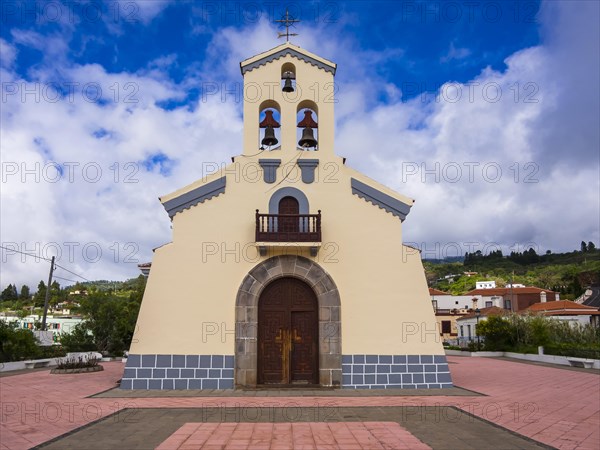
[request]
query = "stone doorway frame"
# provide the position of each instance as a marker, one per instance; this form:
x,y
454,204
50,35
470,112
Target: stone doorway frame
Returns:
x,y
246,317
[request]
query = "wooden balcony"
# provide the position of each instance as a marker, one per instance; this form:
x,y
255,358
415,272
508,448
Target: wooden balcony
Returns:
x,y
288,227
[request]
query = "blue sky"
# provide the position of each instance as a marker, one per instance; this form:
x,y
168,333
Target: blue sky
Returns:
x,y
103,111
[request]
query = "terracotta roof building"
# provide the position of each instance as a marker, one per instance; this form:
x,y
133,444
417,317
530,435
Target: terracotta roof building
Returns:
x,y
567,310
516,298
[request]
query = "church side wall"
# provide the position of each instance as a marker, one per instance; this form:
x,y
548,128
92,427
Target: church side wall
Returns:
x,y
185,337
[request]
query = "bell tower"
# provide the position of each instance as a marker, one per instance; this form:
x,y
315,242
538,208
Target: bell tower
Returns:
x,y
288,103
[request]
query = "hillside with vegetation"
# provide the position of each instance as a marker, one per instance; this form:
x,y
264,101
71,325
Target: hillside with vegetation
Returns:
x,y
567,273
109,310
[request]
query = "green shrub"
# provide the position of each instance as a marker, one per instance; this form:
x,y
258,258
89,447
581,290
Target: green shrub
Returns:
x,y
524,333
16,343
51,351
497,333
78,340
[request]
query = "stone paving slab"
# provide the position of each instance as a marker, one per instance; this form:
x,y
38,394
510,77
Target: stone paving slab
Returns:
x,y
306,435
445,428
293,392
556,407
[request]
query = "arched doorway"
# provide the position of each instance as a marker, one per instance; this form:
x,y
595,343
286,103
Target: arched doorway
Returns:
x,y
288,334
246,314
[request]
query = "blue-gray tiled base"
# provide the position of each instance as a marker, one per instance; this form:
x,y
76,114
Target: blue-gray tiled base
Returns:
x,y
395,372
178,372
216,372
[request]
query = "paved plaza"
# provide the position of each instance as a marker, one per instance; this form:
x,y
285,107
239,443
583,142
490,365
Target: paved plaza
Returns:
x,y
498,403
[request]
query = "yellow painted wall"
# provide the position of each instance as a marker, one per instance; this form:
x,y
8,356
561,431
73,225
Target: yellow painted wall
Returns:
x,y
189,304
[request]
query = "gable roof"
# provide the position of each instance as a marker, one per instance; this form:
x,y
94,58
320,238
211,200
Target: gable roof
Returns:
x,y
280,51
186,198
562,307
379,198
504,291
433,291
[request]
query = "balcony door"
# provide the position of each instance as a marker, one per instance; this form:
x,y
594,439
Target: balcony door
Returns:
x,y
288,328
289,205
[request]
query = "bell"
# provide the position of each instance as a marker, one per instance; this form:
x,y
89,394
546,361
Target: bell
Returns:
x,y
308,138
287,85
288,76
269,138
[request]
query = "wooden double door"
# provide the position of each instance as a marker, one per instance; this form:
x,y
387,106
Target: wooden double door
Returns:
x,y
288,329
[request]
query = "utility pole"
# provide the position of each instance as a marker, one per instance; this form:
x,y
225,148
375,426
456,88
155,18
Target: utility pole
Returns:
x,y
47,294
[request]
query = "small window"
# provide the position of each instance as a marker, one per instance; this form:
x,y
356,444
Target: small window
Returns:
x,y
507,304
488,304
446,326
462,331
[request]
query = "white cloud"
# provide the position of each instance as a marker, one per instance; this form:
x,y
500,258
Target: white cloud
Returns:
x,y
455,53
142,10
8,54
552,202
541,132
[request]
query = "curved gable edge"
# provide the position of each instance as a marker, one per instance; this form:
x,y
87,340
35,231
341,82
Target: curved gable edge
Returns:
x,y
287,51
381,199
195,196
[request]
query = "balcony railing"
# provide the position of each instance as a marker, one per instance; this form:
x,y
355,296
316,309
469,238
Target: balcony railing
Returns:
x,y
288,227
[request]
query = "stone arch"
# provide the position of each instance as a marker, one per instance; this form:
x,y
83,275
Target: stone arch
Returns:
x,y
246,317
288,192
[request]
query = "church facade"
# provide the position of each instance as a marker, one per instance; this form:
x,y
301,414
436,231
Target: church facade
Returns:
x,y
286,267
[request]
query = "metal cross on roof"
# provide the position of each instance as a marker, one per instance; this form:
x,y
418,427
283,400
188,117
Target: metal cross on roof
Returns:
x,y
288,22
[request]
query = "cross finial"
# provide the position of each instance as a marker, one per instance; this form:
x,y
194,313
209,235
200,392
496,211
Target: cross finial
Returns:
x,y
288,22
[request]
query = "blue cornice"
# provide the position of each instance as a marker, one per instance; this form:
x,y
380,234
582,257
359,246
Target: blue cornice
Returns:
x,y
308,166
287,51
269,167
193,197
378,198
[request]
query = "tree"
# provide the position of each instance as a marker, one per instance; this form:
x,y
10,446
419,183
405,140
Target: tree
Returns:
x,y
80,339
40,296
591,246
497,333
56,294
110,320
583,247
15,343
25,294
9,294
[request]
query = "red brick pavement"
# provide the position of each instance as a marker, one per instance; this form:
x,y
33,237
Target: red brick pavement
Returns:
x,y
300,435
551,405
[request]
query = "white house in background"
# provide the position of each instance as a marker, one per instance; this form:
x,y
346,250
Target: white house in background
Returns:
x,y
56,324
485,284
443,301
568,311
467,324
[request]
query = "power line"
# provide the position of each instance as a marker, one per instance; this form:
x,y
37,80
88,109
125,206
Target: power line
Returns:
x,y
23,253
65,279
73,273
46,259
296,158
